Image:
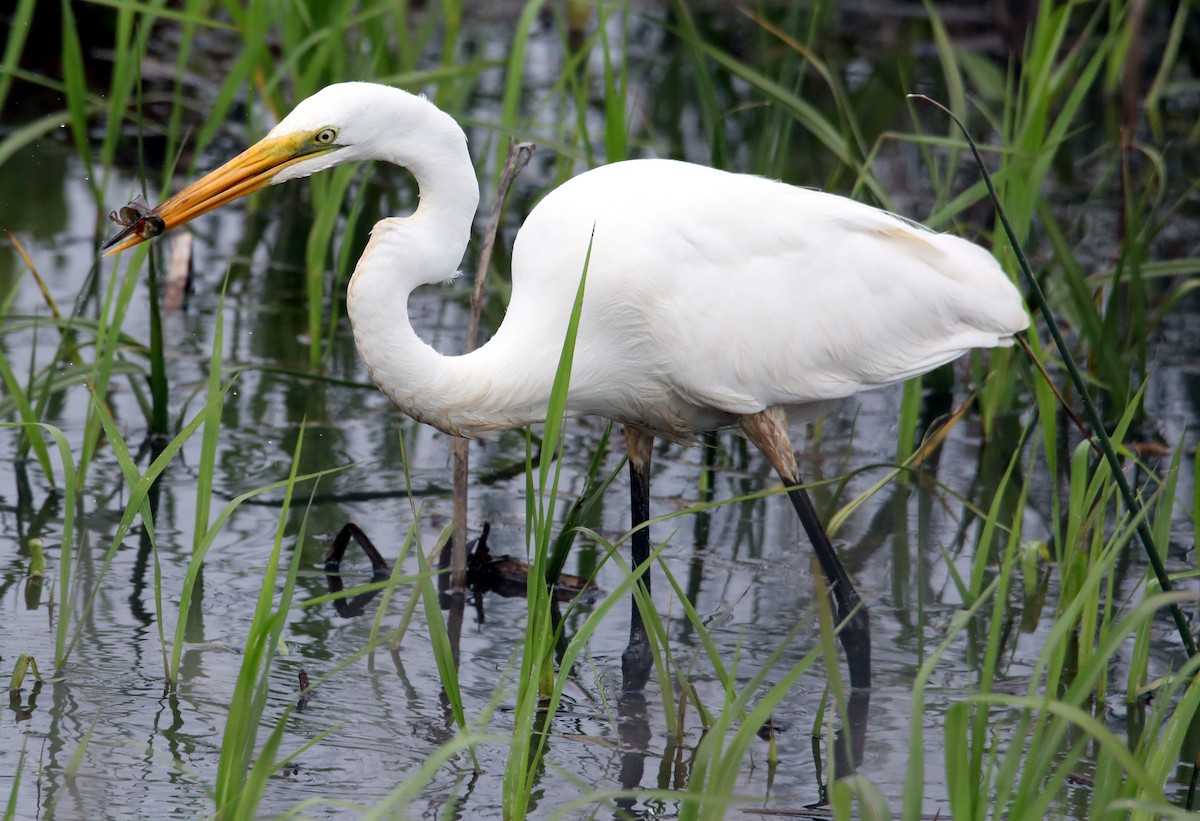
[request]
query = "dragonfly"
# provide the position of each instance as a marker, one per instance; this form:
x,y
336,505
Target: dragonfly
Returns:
x,y
137,217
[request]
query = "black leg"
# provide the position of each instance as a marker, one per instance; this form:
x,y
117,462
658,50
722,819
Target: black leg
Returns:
x,y
768,430
636,661
856,629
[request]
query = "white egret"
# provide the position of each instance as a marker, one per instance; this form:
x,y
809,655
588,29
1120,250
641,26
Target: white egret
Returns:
x,y
712,299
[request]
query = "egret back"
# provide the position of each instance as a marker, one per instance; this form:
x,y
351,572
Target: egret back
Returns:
x,y
711,295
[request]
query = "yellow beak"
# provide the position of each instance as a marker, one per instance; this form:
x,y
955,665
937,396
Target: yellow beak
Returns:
x,y
244,174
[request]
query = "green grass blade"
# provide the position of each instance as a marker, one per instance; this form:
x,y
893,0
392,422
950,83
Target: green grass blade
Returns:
x,y
71,488
439,636
1093,415
76,92
18,30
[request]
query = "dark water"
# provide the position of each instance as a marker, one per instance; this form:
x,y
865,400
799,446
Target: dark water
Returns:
x,y
745,564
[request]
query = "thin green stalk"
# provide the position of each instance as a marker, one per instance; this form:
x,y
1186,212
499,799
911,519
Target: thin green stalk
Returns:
x,y
408,790
210,414
962,791
109,340
589,501
66,555
329,191
514,76
443,646
254,21
10,809
18,30
1081,386
536,678
240,781
25,411
76,92
200,552
616,88
910,416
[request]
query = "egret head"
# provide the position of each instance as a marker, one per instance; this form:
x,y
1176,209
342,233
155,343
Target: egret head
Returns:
x,y
337,124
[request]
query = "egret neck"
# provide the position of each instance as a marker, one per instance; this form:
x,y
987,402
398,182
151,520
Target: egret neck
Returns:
x,y
424,248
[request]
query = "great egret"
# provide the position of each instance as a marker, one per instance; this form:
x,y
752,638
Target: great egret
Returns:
x,y
712,299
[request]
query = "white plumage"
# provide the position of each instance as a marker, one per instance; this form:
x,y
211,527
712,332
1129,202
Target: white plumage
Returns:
x,y
709,294
712,299
712,295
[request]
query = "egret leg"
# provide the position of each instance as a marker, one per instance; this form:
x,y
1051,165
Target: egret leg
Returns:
x,y
636,661
768,430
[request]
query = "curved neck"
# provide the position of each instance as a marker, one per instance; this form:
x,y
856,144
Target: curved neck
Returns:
x,y
455,394
432,146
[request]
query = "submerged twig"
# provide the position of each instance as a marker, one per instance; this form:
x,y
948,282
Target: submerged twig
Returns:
x,y
1093,414
179,272
518,157
380,571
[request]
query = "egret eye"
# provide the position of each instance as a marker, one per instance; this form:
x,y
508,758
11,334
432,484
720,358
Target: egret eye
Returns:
x,y
326,136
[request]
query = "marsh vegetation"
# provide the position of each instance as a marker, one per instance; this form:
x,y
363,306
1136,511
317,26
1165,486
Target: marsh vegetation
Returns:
x,y
173,477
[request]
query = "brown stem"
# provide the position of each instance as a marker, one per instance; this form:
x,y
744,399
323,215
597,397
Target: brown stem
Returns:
x,y
518,157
